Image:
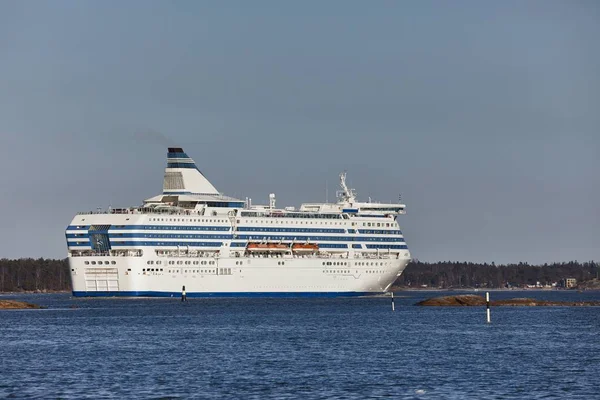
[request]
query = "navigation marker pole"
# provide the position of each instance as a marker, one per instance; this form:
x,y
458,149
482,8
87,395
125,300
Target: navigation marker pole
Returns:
x,y
183,295
487,306
393,308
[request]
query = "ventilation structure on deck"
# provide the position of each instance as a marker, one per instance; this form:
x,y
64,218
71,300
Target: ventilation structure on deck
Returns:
x,y
173,181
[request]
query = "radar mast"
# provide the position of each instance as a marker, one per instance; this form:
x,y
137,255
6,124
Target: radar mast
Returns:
x,y
346,194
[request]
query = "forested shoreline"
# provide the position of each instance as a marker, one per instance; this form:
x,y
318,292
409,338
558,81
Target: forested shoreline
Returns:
x,y
42,274
29,274
452,275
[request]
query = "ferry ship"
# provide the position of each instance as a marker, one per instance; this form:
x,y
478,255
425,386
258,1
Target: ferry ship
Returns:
x,y
193,240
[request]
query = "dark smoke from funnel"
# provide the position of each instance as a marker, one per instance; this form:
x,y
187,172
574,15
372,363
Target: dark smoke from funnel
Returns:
x,y
154,137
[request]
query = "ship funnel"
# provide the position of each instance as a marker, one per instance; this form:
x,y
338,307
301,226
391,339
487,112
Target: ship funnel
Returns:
x,y
182,176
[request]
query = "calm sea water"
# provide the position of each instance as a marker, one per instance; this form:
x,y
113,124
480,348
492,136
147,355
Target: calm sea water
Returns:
x,y
298,348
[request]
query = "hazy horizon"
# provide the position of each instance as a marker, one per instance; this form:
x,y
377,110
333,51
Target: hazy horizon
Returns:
x,y
483,116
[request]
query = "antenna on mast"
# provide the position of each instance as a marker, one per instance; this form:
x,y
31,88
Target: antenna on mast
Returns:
x,y
346,194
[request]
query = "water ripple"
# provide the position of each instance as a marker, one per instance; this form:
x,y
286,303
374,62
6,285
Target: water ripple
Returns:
x,y
295,348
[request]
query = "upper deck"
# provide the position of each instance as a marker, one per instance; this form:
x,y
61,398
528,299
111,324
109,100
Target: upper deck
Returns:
x,y
186,191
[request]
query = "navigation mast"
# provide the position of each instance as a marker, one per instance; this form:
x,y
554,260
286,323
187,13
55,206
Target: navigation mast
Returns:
x,y
346,194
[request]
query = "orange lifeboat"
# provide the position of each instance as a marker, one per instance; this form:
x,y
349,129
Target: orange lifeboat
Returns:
x,y
253,246
257,247
305,247
277,246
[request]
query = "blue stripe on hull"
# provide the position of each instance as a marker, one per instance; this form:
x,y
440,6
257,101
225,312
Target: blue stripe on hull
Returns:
x,y
223,294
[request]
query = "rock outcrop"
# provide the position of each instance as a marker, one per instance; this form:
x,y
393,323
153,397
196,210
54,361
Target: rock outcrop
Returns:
x,y
474,300
15,304
447,301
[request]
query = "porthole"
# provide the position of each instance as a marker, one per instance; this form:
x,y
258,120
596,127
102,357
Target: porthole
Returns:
x,y
87,263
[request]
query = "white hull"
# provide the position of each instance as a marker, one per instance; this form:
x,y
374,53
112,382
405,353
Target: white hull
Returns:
x,y
243,276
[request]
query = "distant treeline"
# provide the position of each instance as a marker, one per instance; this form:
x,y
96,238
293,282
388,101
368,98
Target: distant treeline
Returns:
x,y
28,274
447,274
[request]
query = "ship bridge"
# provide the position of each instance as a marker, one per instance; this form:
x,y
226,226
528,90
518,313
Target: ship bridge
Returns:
x,y
347,203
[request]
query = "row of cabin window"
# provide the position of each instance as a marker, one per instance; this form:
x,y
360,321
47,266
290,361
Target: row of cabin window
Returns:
x,y
177,236
356,263
290,215
188,220
323,238
366,264
194,271
374,224
286,229
342,271
368,224
379,224
222,271
180,228
180,262
185,271
99,262
192,262
283,222
380,232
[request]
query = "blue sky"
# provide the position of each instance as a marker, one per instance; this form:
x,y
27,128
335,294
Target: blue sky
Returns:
x,y
484,115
